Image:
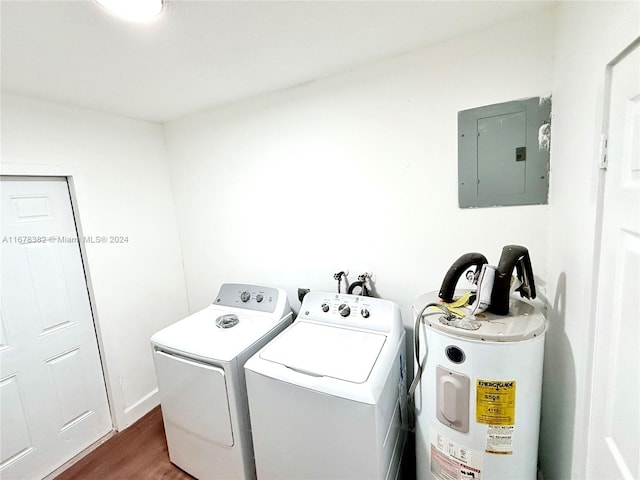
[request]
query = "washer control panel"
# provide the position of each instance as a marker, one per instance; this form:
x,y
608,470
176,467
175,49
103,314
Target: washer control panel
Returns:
x,y
348,310
345,309
250,297
354,306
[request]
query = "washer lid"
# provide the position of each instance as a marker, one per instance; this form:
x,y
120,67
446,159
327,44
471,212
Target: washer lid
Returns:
x,y
326,351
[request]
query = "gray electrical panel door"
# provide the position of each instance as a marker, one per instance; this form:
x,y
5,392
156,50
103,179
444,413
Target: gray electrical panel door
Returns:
x,y
500,159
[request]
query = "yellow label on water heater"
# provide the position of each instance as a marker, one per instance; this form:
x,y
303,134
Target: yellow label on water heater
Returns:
x,y
496,402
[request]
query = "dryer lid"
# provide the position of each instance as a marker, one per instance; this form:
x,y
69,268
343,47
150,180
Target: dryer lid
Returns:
x,y
203,335
326,351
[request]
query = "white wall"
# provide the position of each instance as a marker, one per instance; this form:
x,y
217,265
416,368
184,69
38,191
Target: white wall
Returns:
x,y
121,181
588,36
357,171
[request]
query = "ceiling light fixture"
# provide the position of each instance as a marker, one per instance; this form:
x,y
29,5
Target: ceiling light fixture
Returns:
x,y
133,10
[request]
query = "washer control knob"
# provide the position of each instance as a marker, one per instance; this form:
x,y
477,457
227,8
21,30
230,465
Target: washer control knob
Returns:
x,y
325,307
259,297
365,313
344,310
245,296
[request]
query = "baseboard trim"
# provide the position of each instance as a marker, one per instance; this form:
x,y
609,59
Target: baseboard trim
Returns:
x,y
139,409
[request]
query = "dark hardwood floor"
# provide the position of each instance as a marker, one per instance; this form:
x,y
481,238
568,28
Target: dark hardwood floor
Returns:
x,y
138,452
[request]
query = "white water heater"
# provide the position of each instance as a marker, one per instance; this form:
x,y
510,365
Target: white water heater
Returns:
x,y
477,404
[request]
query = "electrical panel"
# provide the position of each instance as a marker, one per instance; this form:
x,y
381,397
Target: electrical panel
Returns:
x,y
503,154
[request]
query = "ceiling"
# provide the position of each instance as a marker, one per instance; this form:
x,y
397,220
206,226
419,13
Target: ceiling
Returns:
x,y
201,54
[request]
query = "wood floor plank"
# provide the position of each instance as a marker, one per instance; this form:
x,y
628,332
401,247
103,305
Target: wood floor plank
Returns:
x,y
138,452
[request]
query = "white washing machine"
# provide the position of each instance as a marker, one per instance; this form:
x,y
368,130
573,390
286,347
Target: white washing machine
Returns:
x,y
199,365
327,396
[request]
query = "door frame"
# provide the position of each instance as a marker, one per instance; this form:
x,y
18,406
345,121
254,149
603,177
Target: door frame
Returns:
x,y
9,169
598,233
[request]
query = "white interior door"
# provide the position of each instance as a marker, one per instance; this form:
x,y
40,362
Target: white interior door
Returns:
x,y
52,391
614,432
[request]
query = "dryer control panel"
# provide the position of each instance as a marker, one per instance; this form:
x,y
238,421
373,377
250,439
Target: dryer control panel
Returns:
x,y
250,297
356,311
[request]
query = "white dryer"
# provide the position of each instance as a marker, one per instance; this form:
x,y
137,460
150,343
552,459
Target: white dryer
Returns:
x,y
199,365
327,396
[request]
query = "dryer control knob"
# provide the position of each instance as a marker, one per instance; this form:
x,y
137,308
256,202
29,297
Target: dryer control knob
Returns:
x,y
259,297
325,307
344,310
365,313
245,296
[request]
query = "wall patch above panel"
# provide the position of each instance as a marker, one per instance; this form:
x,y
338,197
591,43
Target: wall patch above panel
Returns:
x,y
501,159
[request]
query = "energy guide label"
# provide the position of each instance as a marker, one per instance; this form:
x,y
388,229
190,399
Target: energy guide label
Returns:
x,y
496,402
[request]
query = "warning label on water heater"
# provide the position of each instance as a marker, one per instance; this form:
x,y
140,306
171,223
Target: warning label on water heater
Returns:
x,y
496,402
451,461
499,439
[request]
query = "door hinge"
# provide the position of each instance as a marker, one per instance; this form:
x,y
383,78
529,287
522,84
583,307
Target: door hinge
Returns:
x,y
604,152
